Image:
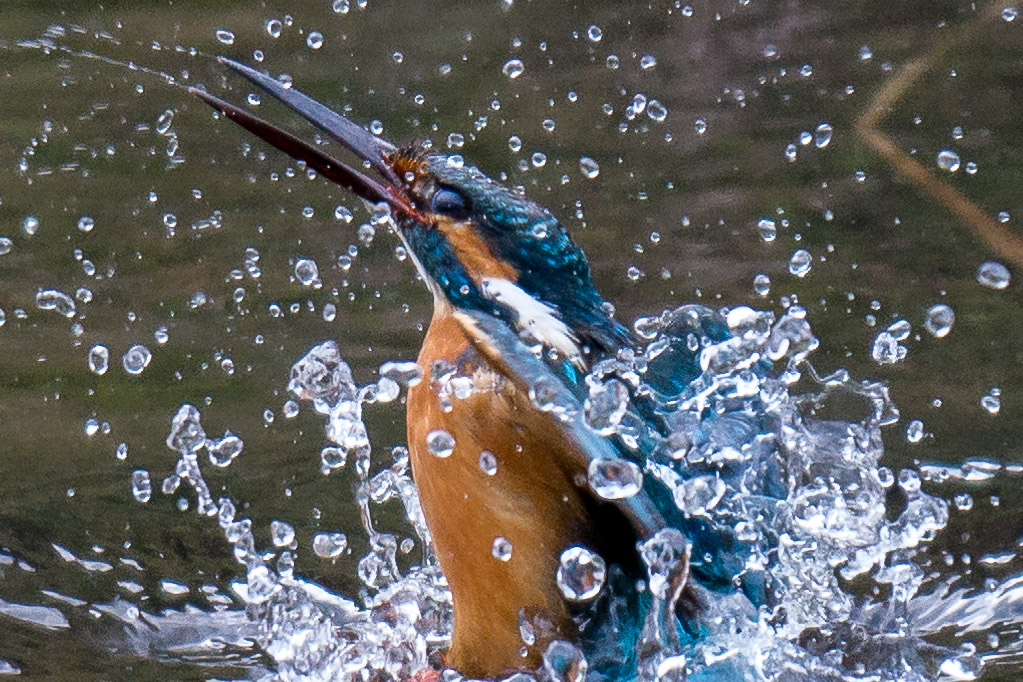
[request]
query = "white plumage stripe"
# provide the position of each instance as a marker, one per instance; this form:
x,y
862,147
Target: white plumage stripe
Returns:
x,y
535,317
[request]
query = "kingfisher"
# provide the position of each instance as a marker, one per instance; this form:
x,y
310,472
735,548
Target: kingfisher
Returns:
x,y
504,467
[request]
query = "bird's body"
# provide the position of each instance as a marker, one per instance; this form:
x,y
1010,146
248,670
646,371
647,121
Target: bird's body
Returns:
x,y
499,449
506,480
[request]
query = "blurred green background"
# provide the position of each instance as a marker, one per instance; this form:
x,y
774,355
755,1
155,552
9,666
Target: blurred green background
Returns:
x,y
677,201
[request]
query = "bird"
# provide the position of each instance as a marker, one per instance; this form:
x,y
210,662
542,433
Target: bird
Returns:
x,y
504,468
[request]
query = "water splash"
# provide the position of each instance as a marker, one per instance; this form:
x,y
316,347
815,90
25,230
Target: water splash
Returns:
x,y
834,586
805,499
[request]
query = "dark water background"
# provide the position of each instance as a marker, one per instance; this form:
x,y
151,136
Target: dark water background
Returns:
x,y
78,138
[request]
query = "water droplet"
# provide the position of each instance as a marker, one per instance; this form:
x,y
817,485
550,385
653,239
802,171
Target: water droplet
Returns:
x,y
6,244
993,275
588,167
865,53
948,160
30,225
900,330
647,62
281,533
637,106
698,495
822,135
136,359
539,159
163,126
656,110
581,574
224,450
564,662
991,403
314,40
501,549
387,390
915,431
404,373
141,486
273,27
329,312
664,555
768,229
341,6
762,284
963,501
488,462
605,406
455,140
770,51
440,443
329,545
85,223
307,272
1003,216
938,320
790,152
886,349
225,36
548,125
343,213
398,56
513,68
594,33
1009,14
56,300
186,434
700,126
614,479
612,62
333,458
99,359
800,263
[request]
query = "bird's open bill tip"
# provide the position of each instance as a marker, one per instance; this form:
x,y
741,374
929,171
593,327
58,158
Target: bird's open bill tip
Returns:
x,y
363,144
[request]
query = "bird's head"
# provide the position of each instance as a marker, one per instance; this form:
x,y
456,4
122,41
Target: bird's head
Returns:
x,y
478,244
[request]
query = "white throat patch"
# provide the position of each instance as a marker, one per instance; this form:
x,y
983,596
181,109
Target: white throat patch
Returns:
x,y
533,317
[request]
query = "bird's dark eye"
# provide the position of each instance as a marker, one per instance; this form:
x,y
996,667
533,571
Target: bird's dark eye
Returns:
x,y
449,202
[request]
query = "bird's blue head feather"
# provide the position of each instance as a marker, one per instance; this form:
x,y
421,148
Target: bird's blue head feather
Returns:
x,y
470,230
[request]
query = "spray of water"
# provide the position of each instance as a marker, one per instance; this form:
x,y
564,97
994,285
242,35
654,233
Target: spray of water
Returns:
x,y
805,498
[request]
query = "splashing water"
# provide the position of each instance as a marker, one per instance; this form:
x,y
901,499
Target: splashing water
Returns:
x,y
837,571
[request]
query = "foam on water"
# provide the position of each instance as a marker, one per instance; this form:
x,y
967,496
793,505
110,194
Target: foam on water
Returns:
x,y
805,498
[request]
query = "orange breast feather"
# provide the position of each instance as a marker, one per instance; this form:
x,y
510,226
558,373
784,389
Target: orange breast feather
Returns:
x,y
532,500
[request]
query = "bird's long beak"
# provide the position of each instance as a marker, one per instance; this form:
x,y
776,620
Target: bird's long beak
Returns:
x,y
371,150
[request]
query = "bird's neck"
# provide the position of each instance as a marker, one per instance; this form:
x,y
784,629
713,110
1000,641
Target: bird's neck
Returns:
x,y
552,298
